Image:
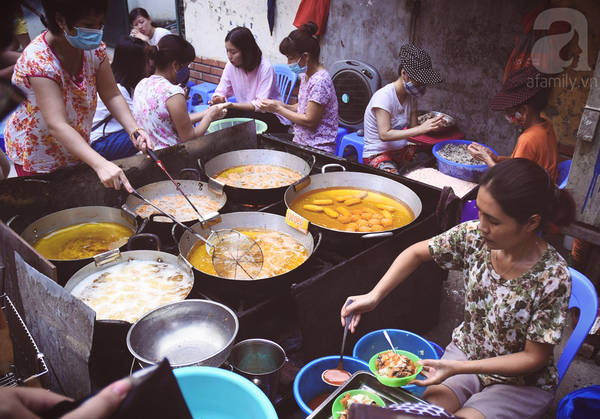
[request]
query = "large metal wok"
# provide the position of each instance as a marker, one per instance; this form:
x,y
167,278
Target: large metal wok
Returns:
x,y
359,180
231,159
190,332
162,225
255,287
116,257
72,216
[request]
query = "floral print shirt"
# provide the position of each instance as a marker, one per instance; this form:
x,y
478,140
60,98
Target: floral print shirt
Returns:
x,y
500,315
319,89
28,141
150,109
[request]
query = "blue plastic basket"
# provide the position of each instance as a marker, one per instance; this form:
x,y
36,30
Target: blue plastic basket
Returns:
x,y
467,172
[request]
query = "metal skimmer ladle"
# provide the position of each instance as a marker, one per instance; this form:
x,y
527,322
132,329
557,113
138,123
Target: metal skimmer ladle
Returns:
x,y
232,252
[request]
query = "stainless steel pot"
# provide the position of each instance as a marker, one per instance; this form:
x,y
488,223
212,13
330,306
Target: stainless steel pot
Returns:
x,y
249,157
190,332
345,179
260,361
69,217
237,287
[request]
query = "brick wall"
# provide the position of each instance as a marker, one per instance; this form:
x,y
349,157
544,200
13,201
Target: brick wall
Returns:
x,y
206,69
210,70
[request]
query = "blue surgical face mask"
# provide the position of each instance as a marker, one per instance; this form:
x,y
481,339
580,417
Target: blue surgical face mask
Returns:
x,y
296,67
85,38
414,90
183,75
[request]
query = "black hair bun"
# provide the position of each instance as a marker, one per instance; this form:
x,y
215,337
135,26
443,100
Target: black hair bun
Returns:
x,y
310,27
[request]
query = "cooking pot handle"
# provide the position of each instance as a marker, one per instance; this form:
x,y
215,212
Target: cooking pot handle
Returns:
x,y
196,172
377,235
127,210
152,237
201,170
11,220
326,166
318,243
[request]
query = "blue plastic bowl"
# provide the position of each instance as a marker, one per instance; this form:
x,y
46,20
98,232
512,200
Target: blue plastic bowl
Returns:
x,y
467,172
308,383
375,342
215,393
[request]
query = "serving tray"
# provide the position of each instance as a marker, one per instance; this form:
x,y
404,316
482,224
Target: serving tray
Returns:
x,y
365,381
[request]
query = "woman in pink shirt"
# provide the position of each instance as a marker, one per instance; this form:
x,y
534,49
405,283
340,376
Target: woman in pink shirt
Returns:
x,y
250,78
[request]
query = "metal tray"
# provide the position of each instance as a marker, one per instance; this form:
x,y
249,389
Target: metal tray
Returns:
x,y
364,381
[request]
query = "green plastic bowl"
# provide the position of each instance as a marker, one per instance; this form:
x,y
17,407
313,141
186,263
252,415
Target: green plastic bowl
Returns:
x,y
261,126
396,382
338,408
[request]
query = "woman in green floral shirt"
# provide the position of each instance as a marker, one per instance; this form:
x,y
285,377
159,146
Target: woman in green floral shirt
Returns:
x,y
517,287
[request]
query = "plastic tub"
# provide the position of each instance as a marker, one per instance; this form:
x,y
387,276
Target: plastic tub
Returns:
x,y
466,172
229,122
215,393
375,342
308,383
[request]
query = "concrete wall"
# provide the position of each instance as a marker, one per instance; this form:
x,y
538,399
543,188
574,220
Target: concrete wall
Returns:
x,y
208,21
159,10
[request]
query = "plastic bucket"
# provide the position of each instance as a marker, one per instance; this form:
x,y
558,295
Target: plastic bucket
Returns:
x,y
309,385
375,342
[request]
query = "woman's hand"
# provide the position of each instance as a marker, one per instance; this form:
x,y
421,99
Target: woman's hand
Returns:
x,y
360,304
218,111
137,34
436,371
141,140
216,99
481,153
270,105
112,176
432,124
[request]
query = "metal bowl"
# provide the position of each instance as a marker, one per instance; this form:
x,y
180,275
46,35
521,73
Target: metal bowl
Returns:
x,y
448,120
190,332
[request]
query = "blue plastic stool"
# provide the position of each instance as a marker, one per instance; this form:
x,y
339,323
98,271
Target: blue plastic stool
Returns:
x,y
341,132
201,93
232,99
563,173
469,211
352,140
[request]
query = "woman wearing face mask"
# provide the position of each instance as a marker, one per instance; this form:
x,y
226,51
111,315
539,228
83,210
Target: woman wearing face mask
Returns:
x,y
499,363
522,99
142,27
394,107
60,71
315,116
248,76
159,101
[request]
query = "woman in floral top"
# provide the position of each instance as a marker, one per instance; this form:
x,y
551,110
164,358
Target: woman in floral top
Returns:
x,y
159,102
316,114
60,71
517,287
